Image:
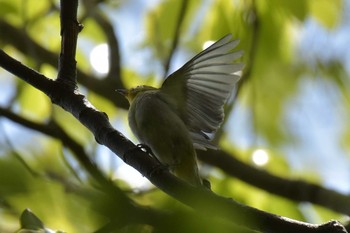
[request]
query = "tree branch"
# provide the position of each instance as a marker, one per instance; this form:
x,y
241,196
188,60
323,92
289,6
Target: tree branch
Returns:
x,y
141,215
97,122
15,36
177,32
246,173
55,131
118,197
296,190
70,27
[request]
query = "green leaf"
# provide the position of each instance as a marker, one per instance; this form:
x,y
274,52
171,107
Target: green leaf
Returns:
x,y
7,8
327,12
34,104
30,221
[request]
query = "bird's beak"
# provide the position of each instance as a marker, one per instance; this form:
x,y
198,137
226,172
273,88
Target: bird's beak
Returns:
x,y
123,92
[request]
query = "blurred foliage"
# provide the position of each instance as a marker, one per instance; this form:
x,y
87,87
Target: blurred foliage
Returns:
x,y
40,173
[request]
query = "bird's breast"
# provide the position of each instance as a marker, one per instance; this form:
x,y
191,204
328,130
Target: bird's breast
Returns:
x,y
156,124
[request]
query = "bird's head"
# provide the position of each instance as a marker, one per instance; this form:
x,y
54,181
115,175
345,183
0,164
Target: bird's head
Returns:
x,y
130,94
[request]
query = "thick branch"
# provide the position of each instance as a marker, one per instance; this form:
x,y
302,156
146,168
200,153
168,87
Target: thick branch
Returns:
x,y
141,215
25,44
67,70
296,190
97,122
235,168
105,134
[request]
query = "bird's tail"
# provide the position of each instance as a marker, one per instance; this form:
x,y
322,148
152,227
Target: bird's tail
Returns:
x,y
188,171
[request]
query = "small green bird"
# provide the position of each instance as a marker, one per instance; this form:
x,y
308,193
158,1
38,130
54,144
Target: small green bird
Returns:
x,y
187,109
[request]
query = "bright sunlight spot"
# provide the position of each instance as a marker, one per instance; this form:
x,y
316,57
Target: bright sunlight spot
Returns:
x,y
260,157
132,177
207,44
99,59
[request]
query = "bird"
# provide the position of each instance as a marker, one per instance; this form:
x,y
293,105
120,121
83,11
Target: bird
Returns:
x,y
186,111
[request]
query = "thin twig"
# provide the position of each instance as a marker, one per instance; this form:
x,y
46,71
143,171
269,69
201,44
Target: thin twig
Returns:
x,y
246,75
177,33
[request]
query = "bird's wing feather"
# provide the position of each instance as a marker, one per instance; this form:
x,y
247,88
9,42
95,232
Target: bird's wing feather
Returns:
x,y
200,88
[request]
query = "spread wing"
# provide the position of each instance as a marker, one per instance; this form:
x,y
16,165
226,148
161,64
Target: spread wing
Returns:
x,y
200,88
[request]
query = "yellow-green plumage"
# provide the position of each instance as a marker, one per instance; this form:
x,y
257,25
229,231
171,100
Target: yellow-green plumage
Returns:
x,y
155,124
178,117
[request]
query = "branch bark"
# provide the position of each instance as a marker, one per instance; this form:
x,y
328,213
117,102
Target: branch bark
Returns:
x,y
141,214
97,122
296,190
70,27
232,166
327,198
16,37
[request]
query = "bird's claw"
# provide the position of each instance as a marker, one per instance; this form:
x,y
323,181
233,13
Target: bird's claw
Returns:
x,y
158,168
144,148
148,150
141,147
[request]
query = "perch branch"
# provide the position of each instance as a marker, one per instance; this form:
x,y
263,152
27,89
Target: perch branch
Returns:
x,y
97,122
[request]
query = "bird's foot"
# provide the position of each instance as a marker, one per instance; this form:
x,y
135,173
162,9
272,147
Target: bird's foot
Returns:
x,y
148,150
145,148
158,168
